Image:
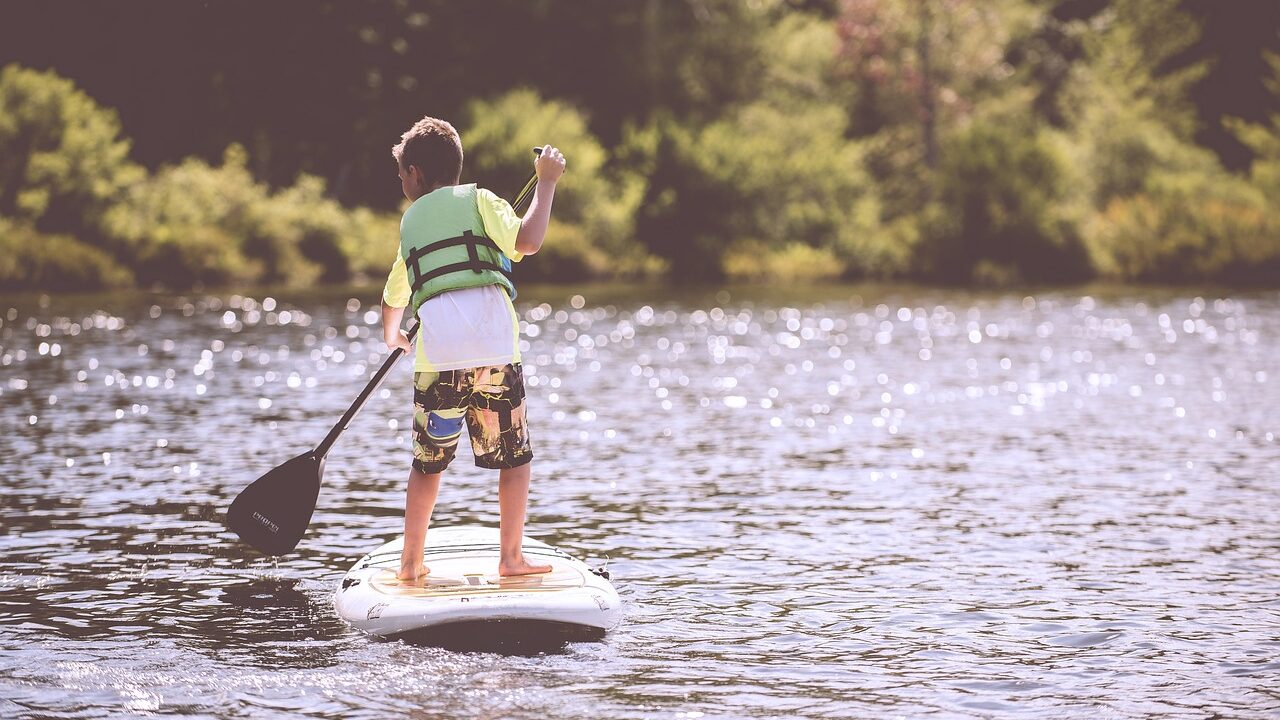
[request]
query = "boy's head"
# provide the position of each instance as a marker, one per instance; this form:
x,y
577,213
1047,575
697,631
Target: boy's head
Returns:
x,y
430,156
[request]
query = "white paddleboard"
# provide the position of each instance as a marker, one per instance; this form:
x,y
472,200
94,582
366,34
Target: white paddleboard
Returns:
x,y
463,594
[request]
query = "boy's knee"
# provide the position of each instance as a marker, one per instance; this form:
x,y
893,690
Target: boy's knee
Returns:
x,y
430,467
416,475
505,461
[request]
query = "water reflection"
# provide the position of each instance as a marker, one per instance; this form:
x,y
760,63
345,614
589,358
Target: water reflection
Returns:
x,y
815,503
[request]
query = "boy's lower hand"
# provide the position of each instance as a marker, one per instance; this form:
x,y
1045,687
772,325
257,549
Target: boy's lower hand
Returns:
x,y
549,165
399,340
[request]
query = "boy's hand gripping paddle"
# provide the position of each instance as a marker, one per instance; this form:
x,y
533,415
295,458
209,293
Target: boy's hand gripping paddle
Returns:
x,y
273,513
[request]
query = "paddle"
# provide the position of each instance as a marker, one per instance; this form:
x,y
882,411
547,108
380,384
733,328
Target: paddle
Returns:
x,y
273,513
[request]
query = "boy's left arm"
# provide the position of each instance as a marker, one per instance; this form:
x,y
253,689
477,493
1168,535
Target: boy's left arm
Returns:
x,y
392,335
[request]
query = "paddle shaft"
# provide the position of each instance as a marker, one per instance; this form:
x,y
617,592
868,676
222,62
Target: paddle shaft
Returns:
x,y
323,448
376,381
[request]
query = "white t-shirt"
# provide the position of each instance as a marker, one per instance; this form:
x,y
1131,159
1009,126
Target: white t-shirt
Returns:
x,y
468,328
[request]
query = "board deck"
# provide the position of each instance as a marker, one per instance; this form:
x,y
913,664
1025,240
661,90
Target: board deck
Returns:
x,y
463,591
459,576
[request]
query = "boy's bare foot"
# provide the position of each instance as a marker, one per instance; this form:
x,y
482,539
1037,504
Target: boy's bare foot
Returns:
x,y
510,568
422,571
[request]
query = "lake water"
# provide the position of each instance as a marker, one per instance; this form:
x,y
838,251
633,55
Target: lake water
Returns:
x,y
877,501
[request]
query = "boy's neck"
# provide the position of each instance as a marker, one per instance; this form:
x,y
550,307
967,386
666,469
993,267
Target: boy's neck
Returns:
x,y
430,190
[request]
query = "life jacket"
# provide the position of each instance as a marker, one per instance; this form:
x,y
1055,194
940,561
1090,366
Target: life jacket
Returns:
x,y
444,246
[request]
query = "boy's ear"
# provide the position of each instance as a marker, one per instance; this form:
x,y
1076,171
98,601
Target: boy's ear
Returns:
x,y
417,177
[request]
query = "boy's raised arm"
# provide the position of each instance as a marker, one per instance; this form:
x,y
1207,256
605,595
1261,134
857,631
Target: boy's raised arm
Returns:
x,y
533,227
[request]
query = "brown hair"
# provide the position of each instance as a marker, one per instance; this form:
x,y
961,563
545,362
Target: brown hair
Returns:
x,y
435,148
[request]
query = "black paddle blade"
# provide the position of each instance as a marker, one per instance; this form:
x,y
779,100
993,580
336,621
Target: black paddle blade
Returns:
x,y
274,511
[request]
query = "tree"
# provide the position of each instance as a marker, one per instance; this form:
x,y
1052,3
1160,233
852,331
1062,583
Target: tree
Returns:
x,y
1233,41
915,70
62,160
772,188
1263,138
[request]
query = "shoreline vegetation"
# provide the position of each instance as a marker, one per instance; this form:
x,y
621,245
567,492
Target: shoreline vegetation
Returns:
x,y
983,144
868,294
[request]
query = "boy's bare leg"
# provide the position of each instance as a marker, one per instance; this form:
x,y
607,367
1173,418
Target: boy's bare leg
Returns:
x,y
420,500
513,496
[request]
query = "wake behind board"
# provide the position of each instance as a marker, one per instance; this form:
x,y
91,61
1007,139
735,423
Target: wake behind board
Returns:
x,y
464,599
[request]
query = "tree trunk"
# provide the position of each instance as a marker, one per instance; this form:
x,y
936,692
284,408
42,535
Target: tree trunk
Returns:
x,y
928,111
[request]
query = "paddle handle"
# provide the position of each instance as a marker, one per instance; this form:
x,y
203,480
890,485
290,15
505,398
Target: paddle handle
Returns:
x,y
376,381
527,191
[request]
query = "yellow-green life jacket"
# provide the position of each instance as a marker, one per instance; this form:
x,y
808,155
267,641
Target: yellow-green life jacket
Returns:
x,y
444,246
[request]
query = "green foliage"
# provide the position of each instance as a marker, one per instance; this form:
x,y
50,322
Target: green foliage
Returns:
x,y
789,263
30,260
774,189
76,213
189,223
370,241
1186,219
62,162
305,236
1130,47
920,75
1263,139
592,232
788,179
1159,207
1188,228
904,59
1000,194
963,141
702,57
196,224
1127,126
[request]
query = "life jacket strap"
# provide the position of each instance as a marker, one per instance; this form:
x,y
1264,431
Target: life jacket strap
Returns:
x,y
473,263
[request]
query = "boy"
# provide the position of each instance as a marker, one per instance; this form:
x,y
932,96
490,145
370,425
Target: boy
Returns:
x,y
457,243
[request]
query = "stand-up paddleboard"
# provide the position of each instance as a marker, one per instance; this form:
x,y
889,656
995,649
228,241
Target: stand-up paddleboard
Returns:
x,y
463,599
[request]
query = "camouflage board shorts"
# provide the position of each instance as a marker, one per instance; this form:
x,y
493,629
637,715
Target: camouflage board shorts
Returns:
x,y
491,401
